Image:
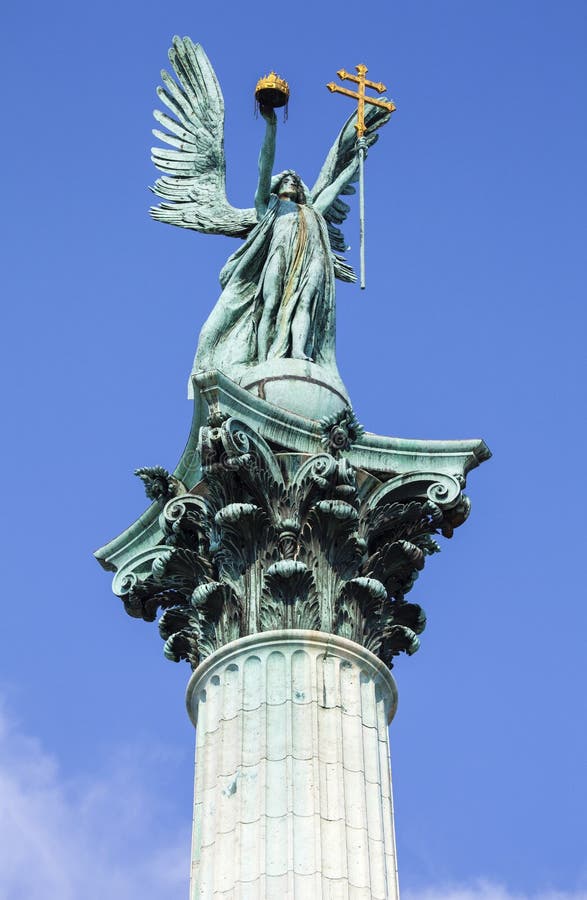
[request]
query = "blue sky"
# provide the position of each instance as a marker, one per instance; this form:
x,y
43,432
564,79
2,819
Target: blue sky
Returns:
x,y
472,325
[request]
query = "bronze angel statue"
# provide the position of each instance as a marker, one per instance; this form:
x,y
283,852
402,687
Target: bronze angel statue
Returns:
x,y
278,294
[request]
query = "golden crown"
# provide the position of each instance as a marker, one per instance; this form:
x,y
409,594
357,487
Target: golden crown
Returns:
x,y
278,88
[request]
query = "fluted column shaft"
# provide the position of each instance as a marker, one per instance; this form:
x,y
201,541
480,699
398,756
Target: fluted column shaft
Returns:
x,y
293,785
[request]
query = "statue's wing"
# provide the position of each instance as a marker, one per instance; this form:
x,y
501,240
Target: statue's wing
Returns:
x,y
194,180
340,156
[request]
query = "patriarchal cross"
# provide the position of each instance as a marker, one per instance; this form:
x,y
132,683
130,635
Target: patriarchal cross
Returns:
x,y
361,128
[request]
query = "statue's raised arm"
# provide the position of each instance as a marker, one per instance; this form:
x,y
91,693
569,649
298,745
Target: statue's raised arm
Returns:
x,y
266,161
194,180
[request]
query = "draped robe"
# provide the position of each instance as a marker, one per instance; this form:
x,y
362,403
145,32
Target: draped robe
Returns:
x,y
228,340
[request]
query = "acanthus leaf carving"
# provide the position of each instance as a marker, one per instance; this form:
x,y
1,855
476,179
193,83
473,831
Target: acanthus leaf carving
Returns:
x,y
289,599
159,484
269,539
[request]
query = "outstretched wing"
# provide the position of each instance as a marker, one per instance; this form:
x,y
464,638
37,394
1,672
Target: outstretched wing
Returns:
x,y
340,156
194,180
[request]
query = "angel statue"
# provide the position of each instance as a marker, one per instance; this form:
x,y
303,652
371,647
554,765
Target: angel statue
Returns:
x,y
278,295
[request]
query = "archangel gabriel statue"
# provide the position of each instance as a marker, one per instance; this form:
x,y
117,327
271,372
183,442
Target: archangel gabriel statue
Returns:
x,y
278,296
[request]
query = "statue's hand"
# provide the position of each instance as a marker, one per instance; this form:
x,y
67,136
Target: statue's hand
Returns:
x,y
268,114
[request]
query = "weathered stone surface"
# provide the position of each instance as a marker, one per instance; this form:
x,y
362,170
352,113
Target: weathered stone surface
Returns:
x,y
293,785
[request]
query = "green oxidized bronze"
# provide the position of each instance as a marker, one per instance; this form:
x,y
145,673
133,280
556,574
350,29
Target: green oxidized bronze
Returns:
x,y
279,540
282,512
278,288
272,520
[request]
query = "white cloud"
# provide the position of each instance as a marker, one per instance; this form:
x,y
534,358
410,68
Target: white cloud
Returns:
x,y
486,890
91,838
101,837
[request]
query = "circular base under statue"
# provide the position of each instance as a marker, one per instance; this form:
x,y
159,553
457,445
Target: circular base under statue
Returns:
x,y
297,385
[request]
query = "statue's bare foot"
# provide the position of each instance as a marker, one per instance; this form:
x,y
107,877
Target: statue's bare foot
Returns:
x,y
302,356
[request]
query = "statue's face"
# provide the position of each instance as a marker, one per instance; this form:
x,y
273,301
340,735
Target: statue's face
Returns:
x,y
290,185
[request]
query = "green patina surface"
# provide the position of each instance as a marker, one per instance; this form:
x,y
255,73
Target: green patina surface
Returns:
x,y
278,288
272,520
283,512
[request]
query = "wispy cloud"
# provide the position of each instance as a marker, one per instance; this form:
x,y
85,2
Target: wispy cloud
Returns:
x,y
486,890
101,836
92,838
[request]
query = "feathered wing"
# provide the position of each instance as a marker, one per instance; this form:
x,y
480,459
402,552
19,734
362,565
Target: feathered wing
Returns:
x,y
194,179
340,156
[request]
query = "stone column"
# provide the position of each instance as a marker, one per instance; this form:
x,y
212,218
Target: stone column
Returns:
x,y
279,556
293,784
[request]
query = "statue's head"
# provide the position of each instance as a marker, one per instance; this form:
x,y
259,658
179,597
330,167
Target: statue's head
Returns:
x,y
289,182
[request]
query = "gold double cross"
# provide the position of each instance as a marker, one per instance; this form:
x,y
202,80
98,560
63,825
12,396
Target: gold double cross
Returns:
x,y
360,95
